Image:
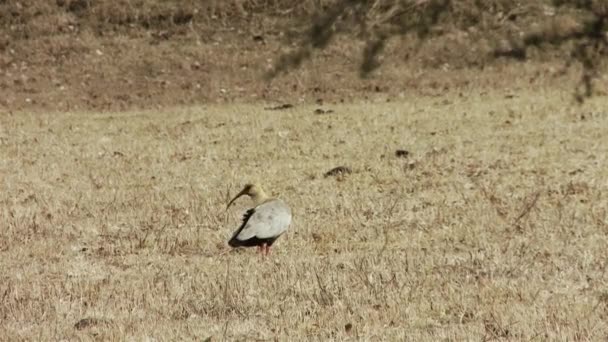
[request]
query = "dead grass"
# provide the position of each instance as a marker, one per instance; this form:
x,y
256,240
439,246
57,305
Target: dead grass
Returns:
x,y
494,227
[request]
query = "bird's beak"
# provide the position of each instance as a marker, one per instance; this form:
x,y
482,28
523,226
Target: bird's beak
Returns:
x,y
235,197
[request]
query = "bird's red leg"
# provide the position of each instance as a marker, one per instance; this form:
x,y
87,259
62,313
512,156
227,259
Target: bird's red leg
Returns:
x,y
265,249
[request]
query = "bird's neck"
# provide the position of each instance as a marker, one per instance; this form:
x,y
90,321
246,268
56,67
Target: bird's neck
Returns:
x,y
259,197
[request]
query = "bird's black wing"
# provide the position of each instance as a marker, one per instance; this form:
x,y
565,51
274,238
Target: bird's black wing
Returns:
x,y
234,242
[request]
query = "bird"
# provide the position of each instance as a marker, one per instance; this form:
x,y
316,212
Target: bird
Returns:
x,y
264,223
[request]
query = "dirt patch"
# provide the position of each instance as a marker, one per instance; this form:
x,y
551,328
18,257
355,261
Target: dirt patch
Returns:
x,y
72,55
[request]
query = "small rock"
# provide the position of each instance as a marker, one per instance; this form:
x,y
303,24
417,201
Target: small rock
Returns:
x,y
319,111
280,107
85,323
338,171
402,153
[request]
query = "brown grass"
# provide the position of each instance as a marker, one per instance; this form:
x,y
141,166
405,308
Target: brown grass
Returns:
x,y
494,226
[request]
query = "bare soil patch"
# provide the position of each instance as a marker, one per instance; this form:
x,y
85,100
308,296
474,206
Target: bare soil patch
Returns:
x,y
118,55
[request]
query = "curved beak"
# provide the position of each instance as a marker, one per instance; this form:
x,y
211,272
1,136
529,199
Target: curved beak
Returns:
x,y
235,197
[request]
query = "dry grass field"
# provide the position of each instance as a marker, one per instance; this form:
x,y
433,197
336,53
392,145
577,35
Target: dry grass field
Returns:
x,y
493,227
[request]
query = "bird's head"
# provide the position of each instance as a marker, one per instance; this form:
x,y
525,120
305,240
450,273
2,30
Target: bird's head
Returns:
x,y
253,190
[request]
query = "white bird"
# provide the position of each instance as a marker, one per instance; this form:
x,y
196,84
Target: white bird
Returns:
x,y
262,224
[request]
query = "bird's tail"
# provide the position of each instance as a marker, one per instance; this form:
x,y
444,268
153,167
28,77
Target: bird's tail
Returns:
x,y
234,242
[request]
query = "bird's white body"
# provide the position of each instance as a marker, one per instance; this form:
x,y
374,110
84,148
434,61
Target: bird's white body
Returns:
x,y
267,221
